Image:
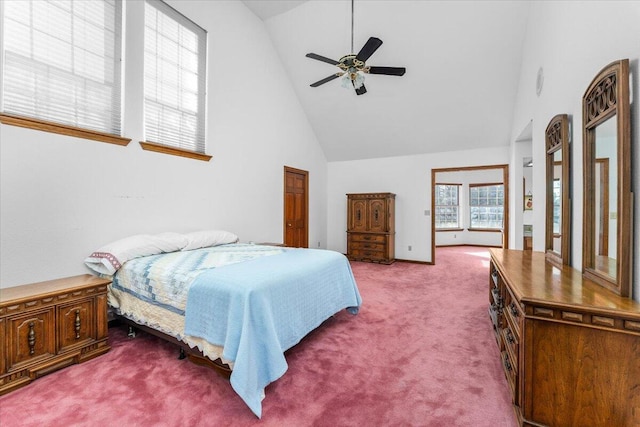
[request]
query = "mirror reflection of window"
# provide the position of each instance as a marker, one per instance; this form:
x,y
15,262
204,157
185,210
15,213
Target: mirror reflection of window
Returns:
x,y
557,207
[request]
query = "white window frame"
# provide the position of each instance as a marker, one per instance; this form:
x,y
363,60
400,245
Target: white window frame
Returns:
x,y
447,206
488,207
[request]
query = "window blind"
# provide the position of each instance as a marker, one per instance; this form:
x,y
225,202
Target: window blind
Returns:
x,y
174,78
62,62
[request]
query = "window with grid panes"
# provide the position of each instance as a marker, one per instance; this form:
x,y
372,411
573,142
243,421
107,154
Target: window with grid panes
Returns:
x,y
62,62
174,78
447,206
557,205
486,206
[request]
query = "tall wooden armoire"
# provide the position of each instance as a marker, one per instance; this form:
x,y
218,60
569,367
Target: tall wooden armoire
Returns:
x,y
371,227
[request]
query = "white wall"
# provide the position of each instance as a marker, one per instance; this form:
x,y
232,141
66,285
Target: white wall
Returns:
x,y
409,177
521,148
573,41
63,197
466,237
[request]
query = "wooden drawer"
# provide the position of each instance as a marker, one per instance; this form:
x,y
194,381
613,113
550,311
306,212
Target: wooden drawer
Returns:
x,y
511,345
367,246
30,338
510,372
495,317
513,313
367,254
364,237
76,324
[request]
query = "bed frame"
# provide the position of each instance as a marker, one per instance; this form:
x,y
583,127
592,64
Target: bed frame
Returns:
x,y
193,354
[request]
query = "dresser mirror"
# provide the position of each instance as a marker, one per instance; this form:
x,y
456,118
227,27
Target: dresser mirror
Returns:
x,y
558,205
607,210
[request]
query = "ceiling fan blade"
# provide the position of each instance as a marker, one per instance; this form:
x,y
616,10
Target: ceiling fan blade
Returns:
x,y
322,58
325,80
361,91
389,71
368,49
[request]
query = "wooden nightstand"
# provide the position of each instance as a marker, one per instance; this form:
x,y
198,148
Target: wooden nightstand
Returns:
x,y
49,325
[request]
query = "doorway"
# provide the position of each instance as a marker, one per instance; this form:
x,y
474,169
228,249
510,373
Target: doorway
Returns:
x,y
296,208
503,173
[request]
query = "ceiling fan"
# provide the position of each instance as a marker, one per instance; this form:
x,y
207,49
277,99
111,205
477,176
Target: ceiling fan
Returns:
x,y
353,66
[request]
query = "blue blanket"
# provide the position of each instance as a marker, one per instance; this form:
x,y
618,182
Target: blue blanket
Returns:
x,y
260,308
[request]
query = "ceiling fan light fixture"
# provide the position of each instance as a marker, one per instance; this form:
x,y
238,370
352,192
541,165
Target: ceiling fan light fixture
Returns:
x,y
353,66
352,79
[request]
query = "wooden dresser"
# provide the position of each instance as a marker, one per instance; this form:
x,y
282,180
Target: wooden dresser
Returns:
x,y
371,227
49,325
570,349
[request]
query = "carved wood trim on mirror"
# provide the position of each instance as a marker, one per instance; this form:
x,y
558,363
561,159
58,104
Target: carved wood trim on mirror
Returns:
x,y
607,208
558,203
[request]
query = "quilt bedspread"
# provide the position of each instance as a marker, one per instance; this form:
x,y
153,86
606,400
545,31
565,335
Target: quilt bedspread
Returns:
x,y
164,279
260,308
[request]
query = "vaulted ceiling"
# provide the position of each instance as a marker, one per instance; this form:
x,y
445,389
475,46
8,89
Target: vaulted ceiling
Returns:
x,y
463,64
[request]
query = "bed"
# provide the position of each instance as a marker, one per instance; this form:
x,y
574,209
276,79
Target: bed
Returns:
x,y
241,305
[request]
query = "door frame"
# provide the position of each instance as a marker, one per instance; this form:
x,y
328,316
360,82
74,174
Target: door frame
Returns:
x,y
505,181
288,169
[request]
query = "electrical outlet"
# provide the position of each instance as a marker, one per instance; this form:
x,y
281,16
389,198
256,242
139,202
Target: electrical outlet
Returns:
x,y
409,247
454,236
318,244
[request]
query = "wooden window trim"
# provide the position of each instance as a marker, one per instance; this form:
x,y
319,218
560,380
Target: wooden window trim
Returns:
x,y
449,229
488,184
47,126
486,230
174,151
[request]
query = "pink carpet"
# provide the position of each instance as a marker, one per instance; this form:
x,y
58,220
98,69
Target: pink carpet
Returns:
x,y
420,353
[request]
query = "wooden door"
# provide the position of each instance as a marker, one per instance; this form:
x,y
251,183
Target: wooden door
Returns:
x,y
377,215
357,215
296,206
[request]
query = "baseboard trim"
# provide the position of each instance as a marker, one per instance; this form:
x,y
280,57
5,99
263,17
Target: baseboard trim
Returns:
x,y
414,261
467,244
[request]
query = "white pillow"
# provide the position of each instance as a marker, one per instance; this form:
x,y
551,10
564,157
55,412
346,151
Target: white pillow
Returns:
x,y
206,238
108,259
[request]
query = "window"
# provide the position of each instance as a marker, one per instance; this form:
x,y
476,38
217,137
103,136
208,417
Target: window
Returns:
x,y
174,79
447,206
557,205
62,65
486,205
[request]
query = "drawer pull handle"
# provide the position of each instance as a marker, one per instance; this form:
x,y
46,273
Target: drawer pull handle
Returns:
x,y
77,324
507,364
367,237
31,338
514,310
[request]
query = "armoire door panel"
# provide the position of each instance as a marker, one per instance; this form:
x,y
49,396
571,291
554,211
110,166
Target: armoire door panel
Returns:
x,y
358,216
377,216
